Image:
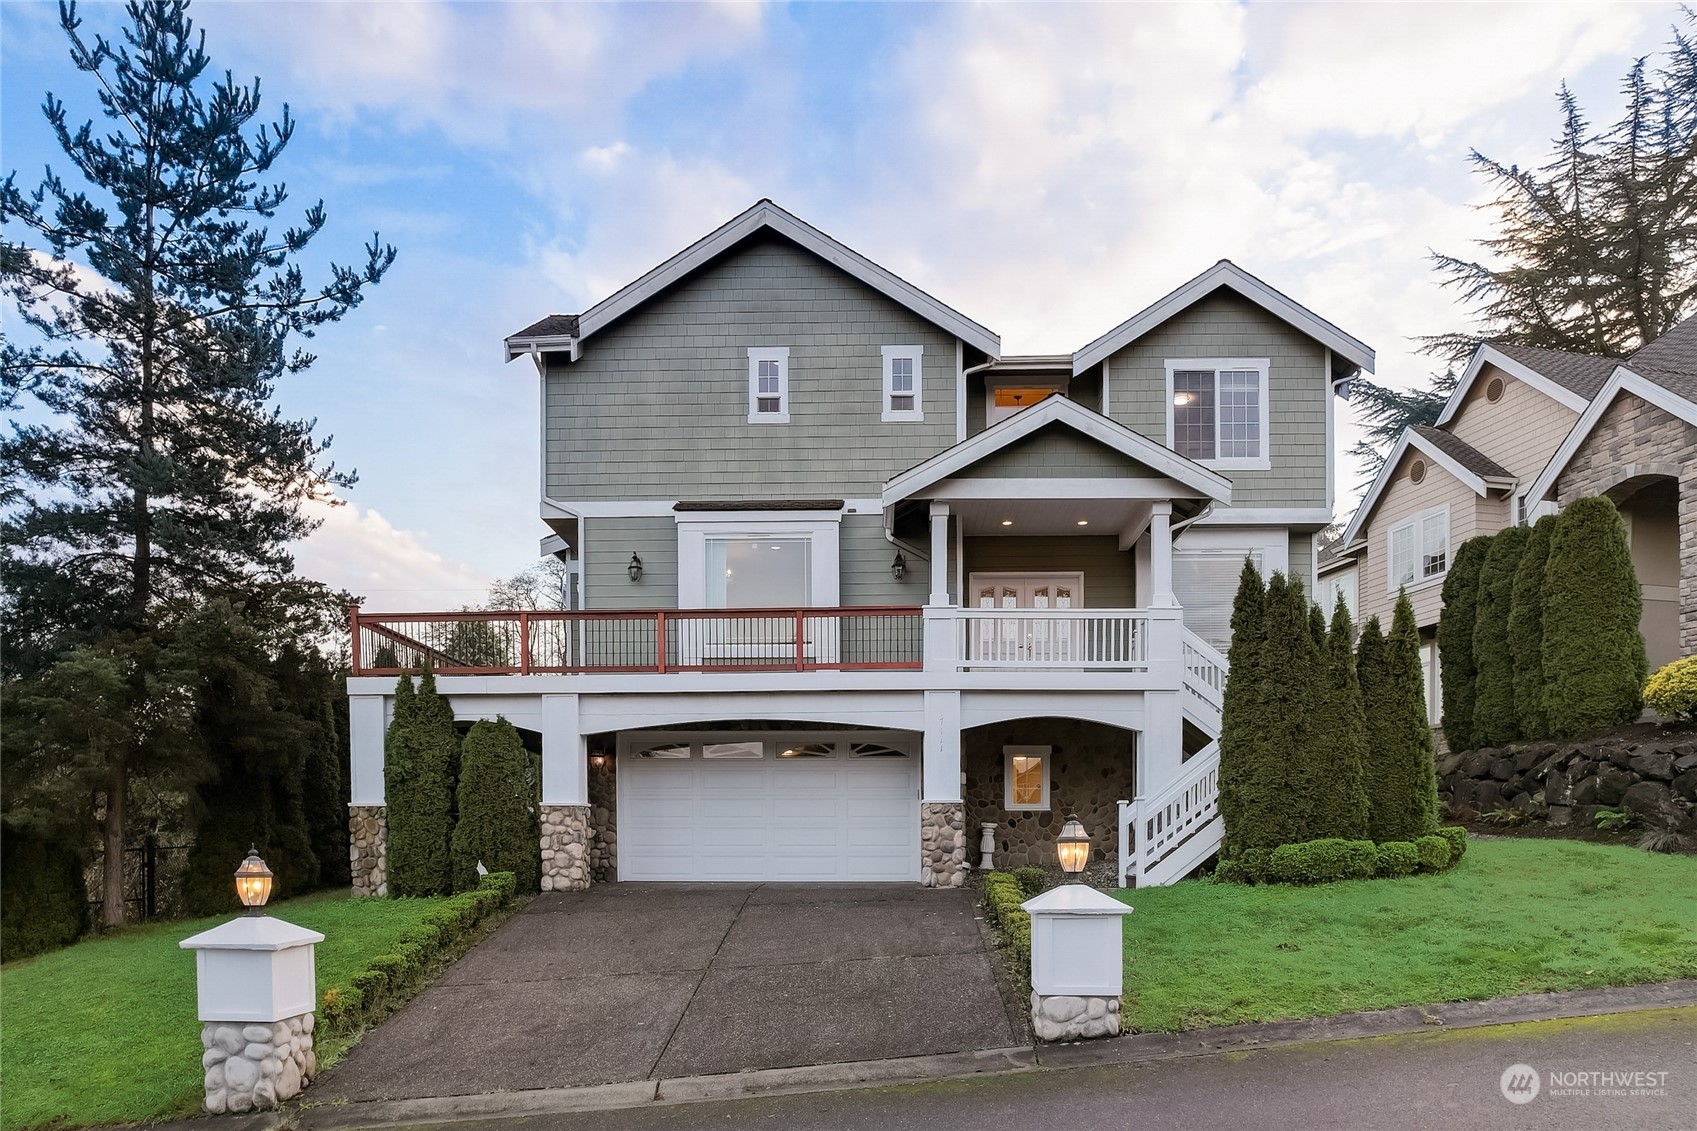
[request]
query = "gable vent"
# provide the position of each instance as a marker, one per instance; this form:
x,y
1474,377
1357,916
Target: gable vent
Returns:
x,y
1417,471
1494,390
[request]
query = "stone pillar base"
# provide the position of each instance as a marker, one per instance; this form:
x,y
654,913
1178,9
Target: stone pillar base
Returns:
x,y
252,1066
1063,1018
942,844
368,849
565,848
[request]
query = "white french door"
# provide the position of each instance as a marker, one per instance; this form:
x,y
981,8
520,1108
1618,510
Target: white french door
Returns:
x,y
1022,637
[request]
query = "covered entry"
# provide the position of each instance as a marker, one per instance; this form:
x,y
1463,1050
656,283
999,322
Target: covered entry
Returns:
x,y
837,806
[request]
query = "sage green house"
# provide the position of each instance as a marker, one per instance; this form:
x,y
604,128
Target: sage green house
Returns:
x,y
861,597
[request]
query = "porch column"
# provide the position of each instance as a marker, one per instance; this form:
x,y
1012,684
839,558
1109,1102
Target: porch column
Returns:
x,y
367,818
565,796
1161,555
1160,748
939,554
942,813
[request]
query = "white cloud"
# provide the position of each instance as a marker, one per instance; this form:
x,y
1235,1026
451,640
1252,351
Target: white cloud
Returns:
x,y
357,549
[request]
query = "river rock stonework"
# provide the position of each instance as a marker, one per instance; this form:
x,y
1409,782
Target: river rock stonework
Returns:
x,y
603,823
942,844
1571,782
252,1066
1090,774
565,848
1062,1017
368,849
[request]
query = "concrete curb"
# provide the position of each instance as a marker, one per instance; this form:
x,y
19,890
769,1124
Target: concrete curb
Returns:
x,y
953,1066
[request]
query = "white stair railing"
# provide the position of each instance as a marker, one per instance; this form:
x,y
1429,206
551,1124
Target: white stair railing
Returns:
x,y
1204,674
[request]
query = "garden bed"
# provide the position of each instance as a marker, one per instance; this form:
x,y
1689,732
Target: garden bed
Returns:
x,y
1514,917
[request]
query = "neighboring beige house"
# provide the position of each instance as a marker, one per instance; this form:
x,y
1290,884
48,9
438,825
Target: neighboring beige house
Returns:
x,y
1526,432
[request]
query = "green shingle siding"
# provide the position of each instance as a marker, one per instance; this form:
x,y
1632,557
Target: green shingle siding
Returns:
x,y
1057,452
607,546
865,564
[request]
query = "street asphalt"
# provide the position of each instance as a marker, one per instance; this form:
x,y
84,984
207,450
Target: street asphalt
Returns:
x,y
633,982
1429,1081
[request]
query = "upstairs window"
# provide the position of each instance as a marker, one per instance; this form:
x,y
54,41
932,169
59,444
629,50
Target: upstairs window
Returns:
x,y
903,370
768,385
1217,411
1417,550
1004,398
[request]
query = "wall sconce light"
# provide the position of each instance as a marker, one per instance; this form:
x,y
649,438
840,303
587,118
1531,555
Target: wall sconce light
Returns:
x,y
635,568
253,882
1073,846
598,759
898,568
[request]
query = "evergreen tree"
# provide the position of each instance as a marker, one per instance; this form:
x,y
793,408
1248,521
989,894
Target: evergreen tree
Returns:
x,y
153,468
499,823
1526,631
1373,673
43,900
421,754
1594,661
1495,719
1340,730
1455,642
1241,750
1401,781
1290,677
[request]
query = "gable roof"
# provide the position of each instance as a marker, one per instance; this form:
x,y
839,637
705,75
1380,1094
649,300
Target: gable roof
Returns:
x,y
1229,275
1671,390
763,216
1058,410
1675,349
1454,455
1570,379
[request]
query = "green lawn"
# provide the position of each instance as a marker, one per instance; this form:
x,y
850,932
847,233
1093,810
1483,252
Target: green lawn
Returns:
x,y
105,1031
1516,916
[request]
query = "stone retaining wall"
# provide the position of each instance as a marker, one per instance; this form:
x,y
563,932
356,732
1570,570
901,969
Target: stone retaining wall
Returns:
x,y
565,848
1571,782
368,851
1062,1017
942,844
251,1066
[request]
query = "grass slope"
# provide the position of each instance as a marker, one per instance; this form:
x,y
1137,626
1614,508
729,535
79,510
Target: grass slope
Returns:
x,y
1514,917
105,1031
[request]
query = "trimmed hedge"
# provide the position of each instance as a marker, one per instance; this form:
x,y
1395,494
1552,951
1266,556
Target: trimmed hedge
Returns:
x,y
1495,718
1455,641
43,899
1398,858
1434,853
1002,894
1333,858
387,980
1457,837
1526,631
1323,861
1672,691
1594,662
1032,880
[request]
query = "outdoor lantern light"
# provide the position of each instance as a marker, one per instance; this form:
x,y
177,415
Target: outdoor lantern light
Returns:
x,y
253,882
1073,846
898,568
635,568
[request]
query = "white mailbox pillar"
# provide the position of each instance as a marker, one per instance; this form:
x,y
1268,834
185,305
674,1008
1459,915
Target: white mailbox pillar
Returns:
x,y
1077,963
258,986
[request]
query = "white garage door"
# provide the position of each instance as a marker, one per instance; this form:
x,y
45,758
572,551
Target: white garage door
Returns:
x,y
783,808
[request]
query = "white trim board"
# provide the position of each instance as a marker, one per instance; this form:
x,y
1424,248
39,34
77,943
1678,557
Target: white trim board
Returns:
x,y
1622,380
1479,485
666,508
1225,273
1206,483
1485,353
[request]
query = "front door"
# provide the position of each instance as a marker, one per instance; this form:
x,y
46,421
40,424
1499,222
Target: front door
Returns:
x,y
1023,638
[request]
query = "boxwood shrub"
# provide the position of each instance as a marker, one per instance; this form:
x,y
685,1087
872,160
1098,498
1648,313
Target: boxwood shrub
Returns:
x,y
1434,853
1323,861
1003,894
1457,837
1398,858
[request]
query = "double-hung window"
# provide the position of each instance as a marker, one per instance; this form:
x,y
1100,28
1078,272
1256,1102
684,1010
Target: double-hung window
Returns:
x,y
903,370
1417,549
768,385
1217,411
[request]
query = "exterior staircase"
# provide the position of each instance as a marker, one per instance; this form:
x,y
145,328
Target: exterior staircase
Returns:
x,y
1163,838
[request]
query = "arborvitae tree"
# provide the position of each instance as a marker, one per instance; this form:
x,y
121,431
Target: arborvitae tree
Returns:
x,y
1340,733
1594,661
1241,733
499,824
1317,625
43,900
1526,631
1495,720
1290,677
1455,642
1402,783
421,750
1372,671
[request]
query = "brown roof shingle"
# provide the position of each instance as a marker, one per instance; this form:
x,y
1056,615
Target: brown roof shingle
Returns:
x,y
553,326
1463,453
1578,372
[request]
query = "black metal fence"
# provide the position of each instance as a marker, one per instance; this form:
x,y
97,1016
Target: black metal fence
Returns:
x,y
153,880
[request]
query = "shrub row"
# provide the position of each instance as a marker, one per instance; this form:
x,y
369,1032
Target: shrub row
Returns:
x,y
1003,892
1333,858
390,978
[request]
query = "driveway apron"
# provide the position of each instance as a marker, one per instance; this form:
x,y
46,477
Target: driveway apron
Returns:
x,y
644,981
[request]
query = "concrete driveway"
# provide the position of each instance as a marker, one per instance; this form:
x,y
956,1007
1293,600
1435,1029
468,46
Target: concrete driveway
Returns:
x,y
644,981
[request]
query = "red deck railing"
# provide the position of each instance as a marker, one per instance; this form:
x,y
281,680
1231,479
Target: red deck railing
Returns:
x,y
527,642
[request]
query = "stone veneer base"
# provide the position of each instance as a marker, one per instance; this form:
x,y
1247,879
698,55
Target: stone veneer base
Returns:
x,y
942,844
368,849
1061,1017
252,1066
565,848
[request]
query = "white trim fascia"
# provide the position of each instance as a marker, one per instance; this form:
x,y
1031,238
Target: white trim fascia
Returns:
x,y
1225,273
767,215
1106,374
887,355
960,390
1032,488
1263,366
536,347
1058,410
1622,380
1484,353
1265,516
1479,486
754,518
607,508
1331,432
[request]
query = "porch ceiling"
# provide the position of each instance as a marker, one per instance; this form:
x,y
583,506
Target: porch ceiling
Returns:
x,y
1030,517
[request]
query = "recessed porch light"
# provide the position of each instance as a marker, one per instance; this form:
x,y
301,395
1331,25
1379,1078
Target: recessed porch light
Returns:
x,y
1084,522
1007,522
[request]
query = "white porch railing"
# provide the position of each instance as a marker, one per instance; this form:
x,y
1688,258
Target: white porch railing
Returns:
x,y
1067,639
1162,838
1204,672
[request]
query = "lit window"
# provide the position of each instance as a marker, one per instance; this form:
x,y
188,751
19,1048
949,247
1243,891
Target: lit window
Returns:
x,y
1005,400
903,373
768,385
1026,777
1218,412
1417,549
758,573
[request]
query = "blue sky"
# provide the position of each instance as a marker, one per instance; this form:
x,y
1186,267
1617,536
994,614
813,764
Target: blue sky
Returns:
x,y
1046,169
